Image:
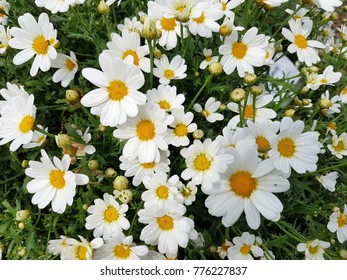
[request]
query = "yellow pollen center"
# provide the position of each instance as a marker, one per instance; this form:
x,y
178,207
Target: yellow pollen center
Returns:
x,y
339,147
111,214
300,41
249,112
70,65
245,249
56,178
27,124
40,45
313,249
181,130
208,58
262,143
205,113
165,222
267,55
169,74
324,81
202,163
122,251
145,130
164,105
117,90
82,252
239,50
224,6
344,91
186,192
286,147
181,8
242,183
162,192
133,54
168,24
200,19
341,220
295,17
148,165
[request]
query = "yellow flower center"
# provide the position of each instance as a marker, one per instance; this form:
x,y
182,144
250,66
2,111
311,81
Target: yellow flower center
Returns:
x,y
117,90
82,252
286,147
181,8
242,183
339,147
267,55
295,17
165,222
133,54
164,105
300,41
205,113
224,6
249,112
168,24
56,178
344,91
200,19
145,130
324,81
313,249
162,192
202,163
111,214
186,192
181,130
341,220
122,251
148,165
40,45
70,65
169,74
239,50
332,125
262,142
208,58
245,249
40,139
27,124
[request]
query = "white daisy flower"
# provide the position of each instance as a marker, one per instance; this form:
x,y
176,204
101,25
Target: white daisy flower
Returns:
x,y
117,96
5,37
167,227
312,81
18,121
38,138
67,66
107,217
245,54
140,170
329,77
228,26
55,5
205,162
333,107
180,9
243,247
228,5
313,249
300,14
80,250
120,247
209,112
259,113
145,134
161,190
208,58
338,147
203,19
128,48
181,126
343,95
304,48
166,97
328,181
343,32
167,71
56,246
292,148
272,3
5,6
247,186
132,25
34,38
270,52
338,223
229,137
222,250
327,5
53,182
10,92
188,193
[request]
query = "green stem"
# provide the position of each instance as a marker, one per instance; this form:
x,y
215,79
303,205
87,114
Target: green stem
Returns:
x,y
90,116
11,179
326,169
181,33
44,132
186,46
135,218
207,81
253,107
292,235
241,114
107,28
151,47
279,80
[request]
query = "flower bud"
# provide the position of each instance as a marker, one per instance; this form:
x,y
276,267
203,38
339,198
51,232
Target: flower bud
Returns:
x,y
250,79
324,103
120,183
256,90
213,249
63,140
278,48
103,8
304,90
289,113
21,225
313,69
22,251
215,68
93,164
85,206
226,28
332,126
336,209
149,30
343,254
303,71
332,241
72,96
110,172
238,94
305,102
198,134
126,196
334,16
22,215
25,163
102,128
157,53
222,107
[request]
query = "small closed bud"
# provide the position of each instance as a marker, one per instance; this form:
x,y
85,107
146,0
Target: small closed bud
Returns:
x,y
238,94
305,102
336,209
93,164
278,48
85,206
297,102
335,16
345,8
63,140
256,90
324,103
343,254
197,74
157,53
289,113
313,69
303,71
126,196
198,134
222,107
110,172
103,8
143,18
102,128
149,30
25,163
304,90
332,241
213,249
72,96
22,215
120,183
250,79
22,251
21,225
215,68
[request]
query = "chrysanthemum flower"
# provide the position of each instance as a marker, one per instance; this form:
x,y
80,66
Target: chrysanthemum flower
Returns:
x,y
10,92
270,52
304,48
245,54
247,186
314,249
272,3
17,121
167,71
328,181
208,58
132,25
228,5
55,5
332,107
107,217
244,245
34,38
67,66
167,227
222,250
166,97
230,137
209,112
338,223
80,250
181,9
53,182
343,95
146,133
56,246
292,148
205,162
188,193
300,14
329,77
5,37
339,145
117,96
38,138
328,5
120,247
5,6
